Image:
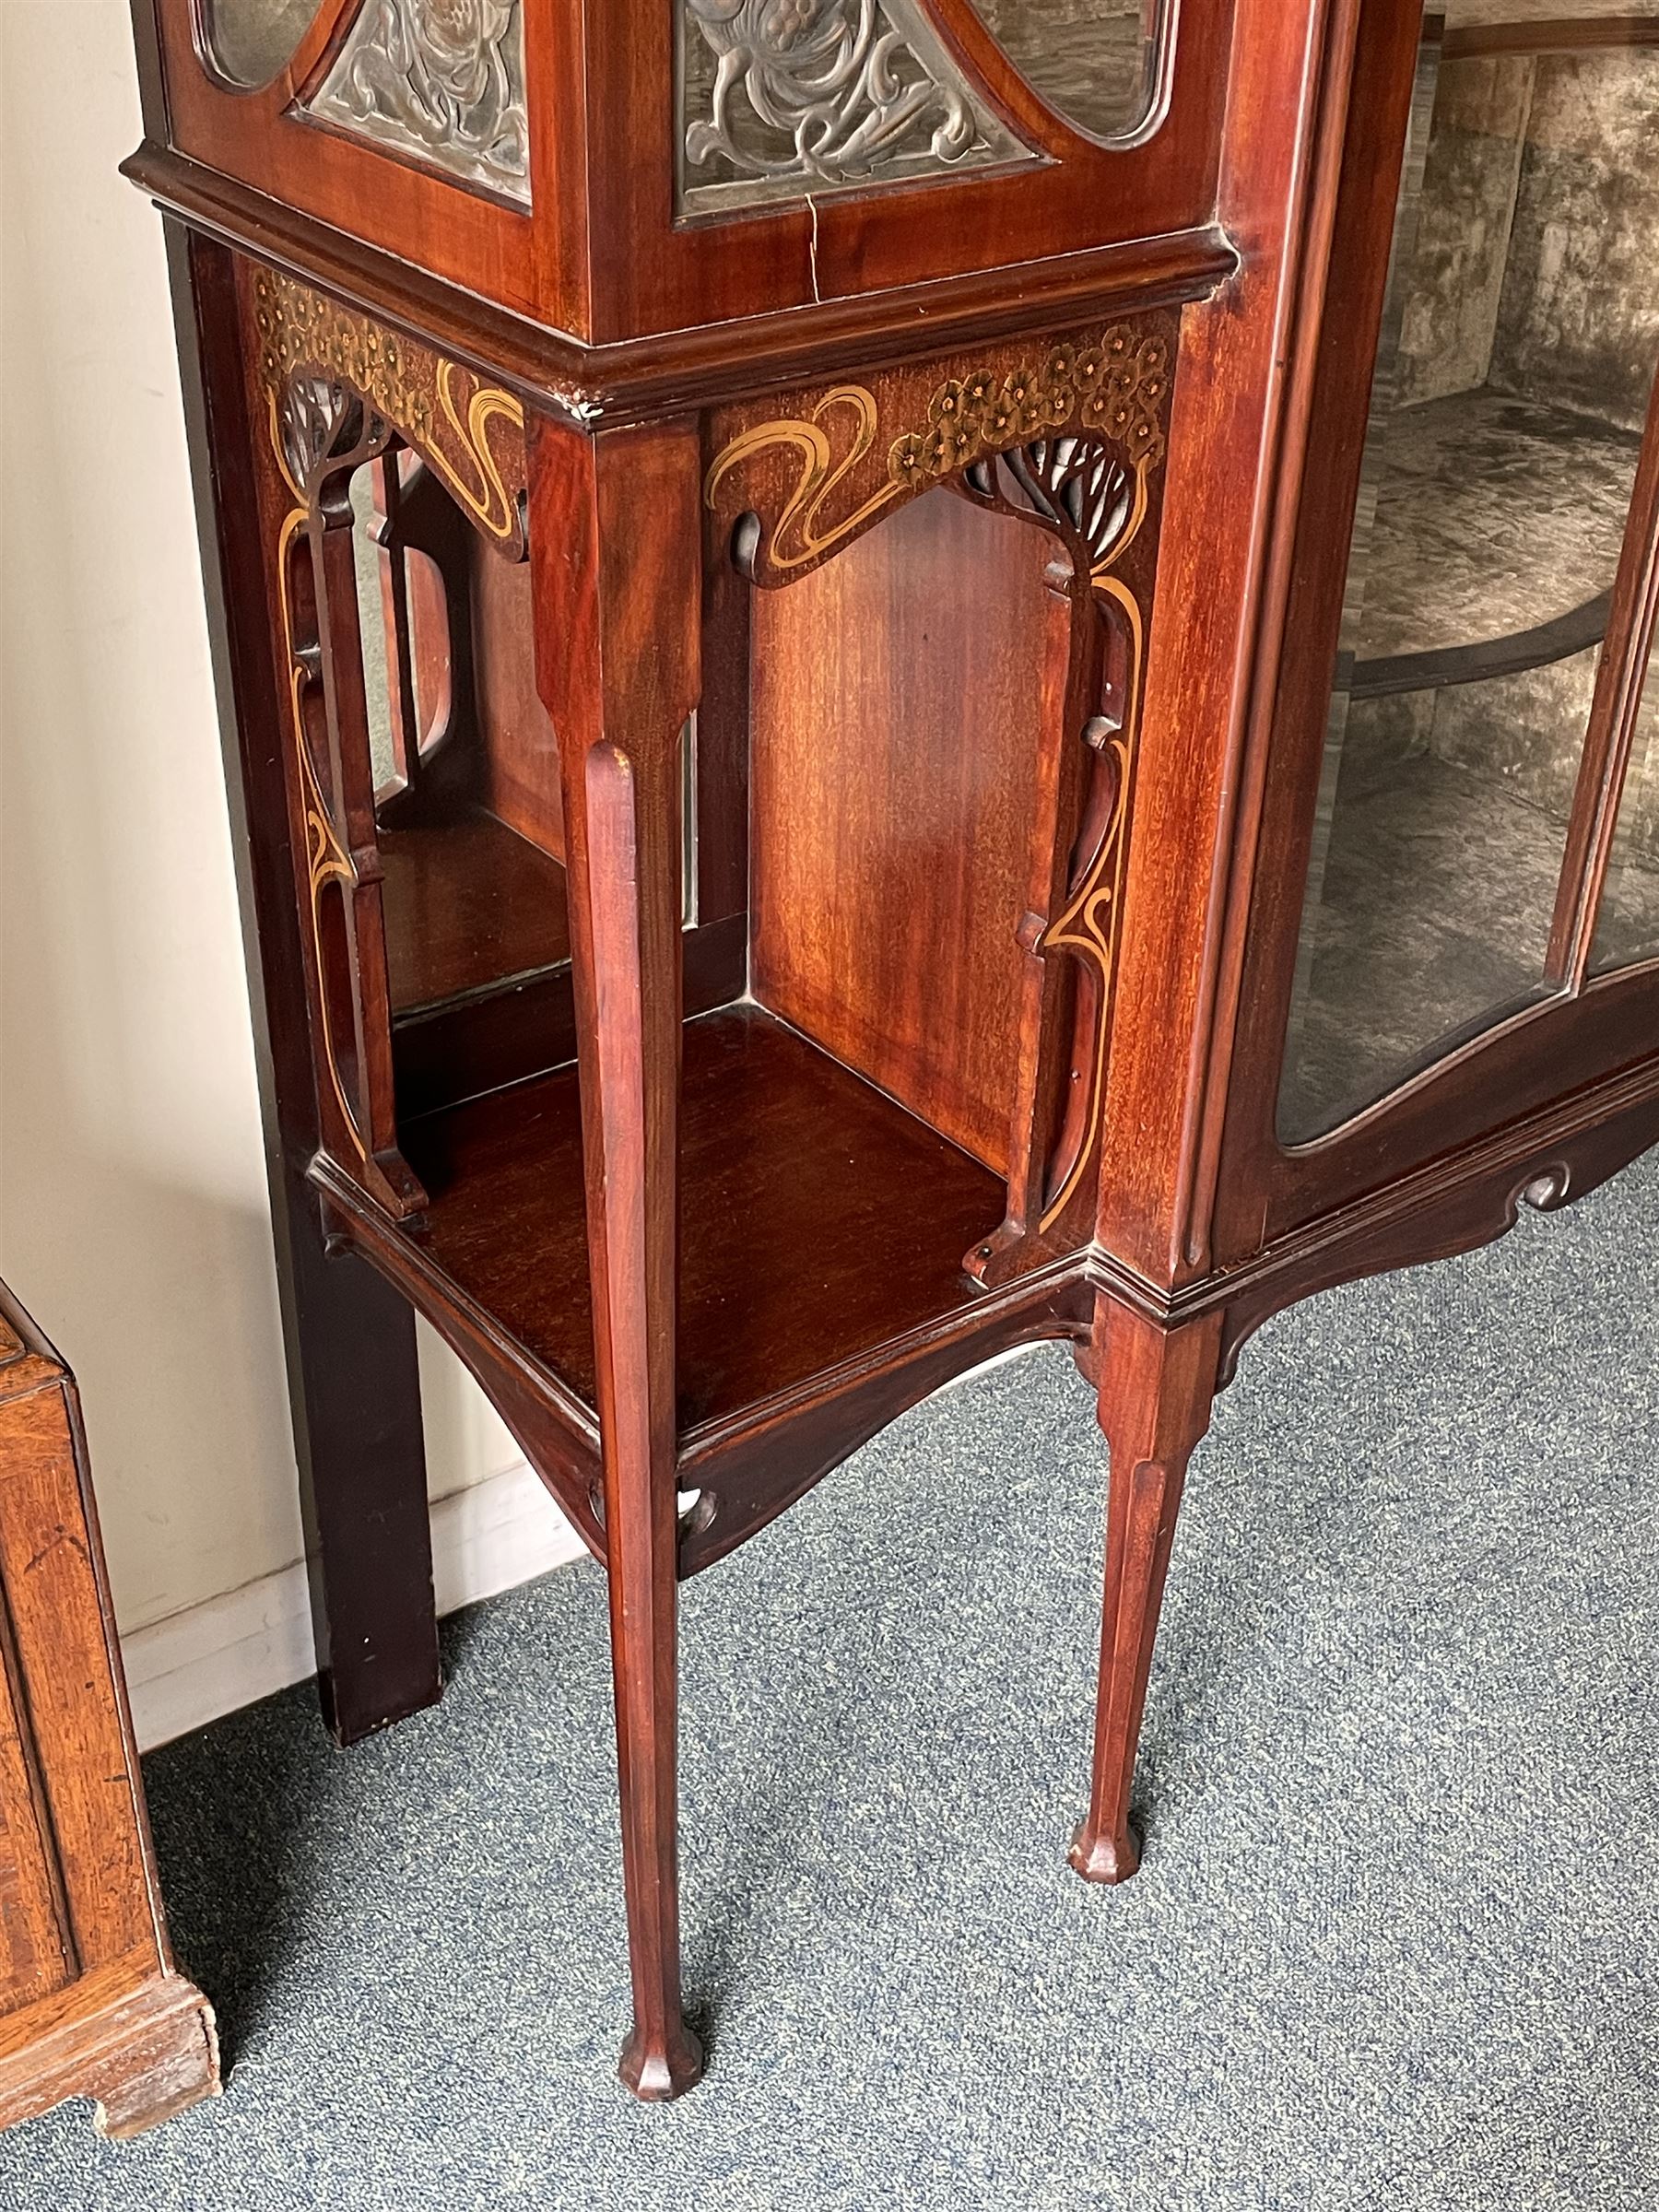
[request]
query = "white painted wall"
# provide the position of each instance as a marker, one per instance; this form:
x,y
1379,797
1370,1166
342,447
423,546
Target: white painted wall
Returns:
x,y
133,1212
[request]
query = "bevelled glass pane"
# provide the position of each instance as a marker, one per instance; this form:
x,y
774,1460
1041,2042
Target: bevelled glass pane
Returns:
x,y
1517,353
439,82
1095,62
253,40
797,99
1627,929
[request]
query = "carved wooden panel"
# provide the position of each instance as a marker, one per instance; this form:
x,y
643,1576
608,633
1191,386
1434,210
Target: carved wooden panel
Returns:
x,y
439,82
813,479
337,389
468,430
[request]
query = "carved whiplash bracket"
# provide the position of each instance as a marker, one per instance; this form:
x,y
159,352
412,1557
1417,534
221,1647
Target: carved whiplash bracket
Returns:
x,y
469,433
816,479
439,82
790,100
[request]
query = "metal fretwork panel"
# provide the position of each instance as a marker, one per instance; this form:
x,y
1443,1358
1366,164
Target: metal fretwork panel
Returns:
x,y
794,99
437,83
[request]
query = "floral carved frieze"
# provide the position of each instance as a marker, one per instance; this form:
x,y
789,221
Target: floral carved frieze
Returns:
x,y
469,433
816,479
786,98
439,81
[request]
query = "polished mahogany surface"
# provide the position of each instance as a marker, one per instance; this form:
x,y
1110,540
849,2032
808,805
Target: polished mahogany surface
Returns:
x,y
469,903
884,697
817,1219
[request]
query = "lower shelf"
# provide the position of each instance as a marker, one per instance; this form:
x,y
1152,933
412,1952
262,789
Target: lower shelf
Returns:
x,y
819,1220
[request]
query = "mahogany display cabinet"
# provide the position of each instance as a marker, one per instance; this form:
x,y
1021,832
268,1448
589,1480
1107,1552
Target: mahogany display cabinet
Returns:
x,y
903,676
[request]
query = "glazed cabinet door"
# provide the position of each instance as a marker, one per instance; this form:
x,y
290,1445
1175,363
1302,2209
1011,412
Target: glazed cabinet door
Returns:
x,y
1463,740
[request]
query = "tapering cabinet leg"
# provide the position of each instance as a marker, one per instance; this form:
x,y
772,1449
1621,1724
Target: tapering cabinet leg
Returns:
x,y
615,532
1156,1388
355,1388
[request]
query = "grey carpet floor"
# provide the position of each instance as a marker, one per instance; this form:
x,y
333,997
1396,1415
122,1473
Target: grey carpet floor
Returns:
x,y
1395,1943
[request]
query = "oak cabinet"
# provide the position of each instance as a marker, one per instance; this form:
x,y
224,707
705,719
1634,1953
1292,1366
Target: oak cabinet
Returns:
x,y
90,2004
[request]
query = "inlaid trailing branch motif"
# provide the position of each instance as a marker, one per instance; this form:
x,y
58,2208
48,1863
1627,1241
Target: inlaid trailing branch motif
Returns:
x,y
470,433
1114,385
1080,486
810,96
340,390
441,81
340,393
1088,926
323,427
327,862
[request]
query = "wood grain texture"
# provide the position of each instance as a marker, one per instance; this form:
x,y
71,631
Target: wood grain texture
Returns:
x,y
82,1940
354,1387
618,606
817,1219
470,906
905,698
1155,1394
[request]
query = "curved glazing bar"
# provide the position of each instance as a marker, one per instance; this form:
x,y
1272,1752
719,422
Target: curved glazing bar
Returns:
x,y
1627,929
1100,64
1507,14
794,99
252,41
439,82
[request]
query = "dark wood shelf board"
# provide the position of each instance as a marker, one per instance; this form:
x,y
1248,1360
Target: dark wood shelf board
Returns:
x,y
469,903
820,1219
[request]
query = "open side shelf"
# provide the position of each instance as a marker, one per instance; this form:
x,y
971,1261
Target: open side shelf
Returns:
x,y
470,906
819,1218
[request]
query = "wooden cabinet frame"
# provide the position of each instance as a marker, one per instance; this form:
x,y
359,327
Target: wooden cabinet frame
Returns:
x,y
1090,390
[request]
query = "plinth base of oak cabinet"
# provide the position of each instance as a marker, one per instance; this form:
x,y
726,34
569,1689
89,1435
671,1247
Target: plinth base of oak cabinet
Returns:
x,y
1104,1858
658,2076
141,2053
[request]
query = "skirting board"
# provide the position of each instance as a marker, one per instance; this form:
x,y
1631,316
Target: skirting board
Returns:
x,y
208,1660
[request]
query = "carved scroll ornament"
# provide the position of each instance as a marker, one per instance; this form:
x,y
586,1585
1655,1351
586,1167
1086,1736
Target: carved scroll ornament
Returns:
x,y
470,433
813,96
441,81
1114,385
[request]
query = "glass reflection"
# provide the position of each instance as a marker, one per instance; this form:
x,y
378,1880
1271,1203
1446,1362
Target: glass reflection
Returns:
x,y
1628,930
253,40
1517,351
1095,62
